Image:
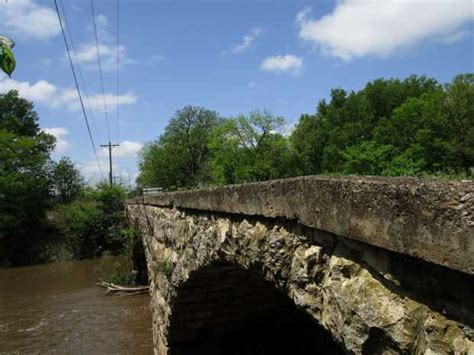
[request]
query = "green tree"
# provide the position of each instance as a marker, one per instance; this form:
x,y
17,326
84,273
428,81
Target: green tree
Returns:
x,y
180,157
420,130
393,127
81,227
25,177
111,203
460,109
95,222
367,158
250,148
67,180
17,115
24,182
309,140
390,127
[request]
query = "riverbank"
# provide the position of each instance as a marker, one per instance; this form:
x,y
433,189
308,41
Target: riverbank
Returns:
x,y
91,225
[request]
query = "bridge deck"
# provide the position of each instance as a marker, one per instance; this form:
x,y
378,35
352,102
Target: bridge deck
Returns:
x,y
428,219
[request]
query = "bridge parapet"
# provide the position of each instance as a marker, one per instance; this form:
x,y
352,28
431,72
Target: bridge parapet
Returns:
x,y
381,265
428,219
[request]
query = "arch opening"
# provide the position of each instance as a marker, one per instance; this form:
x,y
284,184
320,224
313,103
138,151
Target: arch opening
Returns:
x,y
224,309
140,270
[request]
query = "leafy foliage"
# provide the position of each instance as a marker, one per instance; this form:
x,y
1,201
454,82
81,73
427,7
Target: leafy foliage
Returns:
x,y
80,223
414,126
25,176
86,221
391,127
67,180
180,157
95,222
17,115
249,148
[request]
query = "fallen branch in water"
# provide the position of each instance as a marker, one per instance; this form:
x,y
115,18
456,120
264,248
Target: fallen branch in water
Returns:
x,y
134,293
126,290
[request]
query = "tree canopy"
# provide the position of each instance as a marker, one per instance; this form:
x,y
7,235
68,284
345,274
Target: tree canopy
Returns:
x,y
67,180
17,115
249,148
34,226
25,172
392,127
180,157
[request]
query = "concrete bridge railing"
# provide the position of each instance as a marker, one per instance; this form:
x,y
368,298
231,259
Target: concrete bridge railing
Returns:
x,y
354,265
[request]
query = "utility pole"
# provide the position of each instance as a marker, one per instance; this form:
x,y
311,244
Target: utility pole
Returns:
x,y
129,185
110,146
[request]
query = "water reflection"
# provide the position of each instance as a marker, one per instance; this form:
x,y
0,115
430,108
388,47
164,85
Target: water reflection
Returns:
x,y
58,308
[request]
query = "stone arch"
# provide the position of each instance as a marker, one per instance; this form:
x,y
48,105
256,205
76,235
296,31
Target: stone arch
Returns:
x,y
140,271
223,308
188,247
351,289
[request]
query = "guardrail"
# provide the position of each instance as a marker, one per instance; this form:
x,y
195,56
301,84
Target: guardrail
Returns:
x,y
151,190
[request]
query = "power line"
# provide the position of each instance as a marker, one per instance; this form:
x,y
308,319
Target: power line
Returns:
x,y
118,70
77,87
100,67
78,66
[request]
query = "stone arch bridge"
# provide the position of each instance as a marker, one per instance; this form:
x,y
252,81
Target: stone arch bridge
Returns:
x,y
322,265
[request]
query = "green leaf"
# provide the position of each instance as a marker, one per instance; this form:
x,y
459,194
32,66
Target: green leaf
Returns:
x,y
8,61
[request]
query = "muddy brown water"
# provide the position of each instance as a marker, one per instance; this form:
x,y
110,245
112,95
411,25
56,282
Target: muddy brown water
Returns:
x,y
57,308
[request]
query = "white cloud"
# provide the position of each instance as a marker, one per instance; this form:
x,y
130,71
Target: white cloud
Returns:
x,y
86,53
62,145
29,19
125,149
281,63
41,91
358,28
102,25
96,102
56,131
49,94
247,40
91,169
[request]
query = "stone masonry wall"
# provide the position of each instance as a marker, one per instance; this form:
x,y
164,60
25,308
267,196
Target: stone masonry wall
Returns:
x,y
428,219
369,299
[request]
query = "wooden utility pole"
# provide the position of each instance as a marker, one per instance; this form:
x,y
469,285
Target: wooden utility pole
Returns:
x,y
110,146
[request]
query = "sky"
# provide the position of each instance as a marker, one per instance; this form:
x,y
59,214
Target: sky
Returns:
x,y
231,56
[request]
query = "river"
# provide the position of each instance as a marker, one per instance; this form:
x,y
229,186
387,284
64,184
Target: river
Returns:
x,y
56,308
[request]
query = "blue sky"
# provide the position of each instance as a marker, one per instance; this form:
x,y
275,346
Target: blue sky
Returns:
x,y
229,56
